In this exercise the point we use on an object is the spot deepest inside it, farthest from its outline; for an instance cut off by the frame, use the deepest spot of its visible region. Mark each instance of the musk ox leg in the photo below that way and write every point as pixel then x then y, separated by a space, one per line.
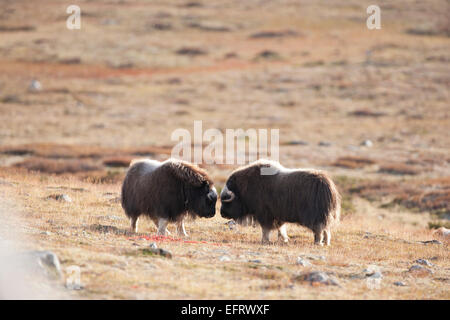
pixel 155 220
pixel 134 224
pixel 180 228
pixel 265 235
pixel 327 236
pixel 162 226
pixel 318 237
pixel 282 234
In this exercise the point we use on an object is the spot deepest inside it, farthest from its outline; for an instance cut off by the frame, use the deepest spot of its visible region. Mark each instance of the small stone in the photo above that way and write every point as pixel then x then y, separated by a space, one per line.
pixel 160 251
pixel 224 258
pixel 431 242
pixel 424 262
pixel 231 224
pixel 60 197
pixel 153 245
pixel 313 257
pixel 46 233
pixel 367 143
pixel 399 284
pixel 324 144
pixel 375 275
pixel 255 261
pixel 419 270
pixel 317 278
pixel 303 262
pixel 35 86
pixel 373 271
pixel 297 143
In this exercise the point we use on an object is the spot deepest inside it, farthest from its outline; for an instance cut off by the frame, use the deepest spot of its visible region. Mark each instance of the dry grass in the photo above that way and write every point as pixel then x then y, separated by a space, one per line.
pixel 57 166
pixel 399 168
pixel 353 162
pixel 92 232
pixel 430 195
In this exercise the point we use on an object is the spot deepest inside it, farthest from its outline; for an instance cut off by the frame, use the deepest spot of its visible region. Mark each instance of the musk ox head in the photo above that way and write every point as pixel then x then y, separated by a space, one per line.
pixel 199 194
pixel 203 201
pixel 232 206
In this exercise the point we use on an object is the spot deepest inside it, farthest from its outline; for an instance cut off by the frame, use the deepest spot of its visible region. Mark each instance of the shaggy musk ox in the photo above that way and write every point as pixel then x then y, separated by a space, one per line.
pixel 167 192
pixel 307 197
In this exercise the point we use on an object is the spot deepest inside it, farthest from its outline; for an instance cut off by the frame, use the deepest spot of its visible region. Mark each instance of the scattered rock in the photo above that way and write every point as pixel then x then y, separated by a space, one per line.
pixel 420 270
pixel 162 26
pixel 375 275
pixel 399 284
pixel 431 242
pixel 231 224
pixel 224 258
pixel 192 4
pixel 368 235
pixel 230 55
pixel 35 86
pixel 373 271
pixel 367 143
pixel 47 233
pixel 153 245
pixel 274 34
pixel 324 144
pixel 424 262
pixel 157 251
pixel 297 143
pixel 267 54
pixel 317 278
pixel 312 257
pixel 60 197
pixel 303 262
pixel 191 51
pixel 209 26
pixel 255 261
pixel 366 113
pixel 10 99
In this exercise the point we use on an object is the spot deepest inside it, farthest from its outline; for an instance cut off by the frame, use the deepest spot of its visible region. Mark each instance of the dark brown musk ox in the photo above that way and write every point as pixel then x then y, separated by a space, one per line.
pixel 167 192
pixel 303 196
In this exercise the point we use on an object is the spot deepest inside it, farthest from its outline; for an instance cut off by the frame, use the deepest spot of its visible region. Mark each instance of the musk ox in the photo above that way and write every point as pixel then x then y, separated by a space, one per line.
pixel 303 196
pixel 167 192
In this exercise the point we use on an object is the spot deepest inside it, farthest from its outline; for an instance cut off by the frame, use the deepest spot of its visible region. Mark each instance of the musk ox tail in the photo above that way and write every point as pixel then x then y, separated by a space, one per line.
pixel 327 199
pixel 332 198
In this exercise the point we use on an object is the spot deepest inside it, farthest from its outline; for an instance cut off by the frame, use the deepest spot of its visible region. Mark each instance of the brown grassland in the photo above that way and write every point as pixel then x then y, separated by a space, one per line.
pixel 137 70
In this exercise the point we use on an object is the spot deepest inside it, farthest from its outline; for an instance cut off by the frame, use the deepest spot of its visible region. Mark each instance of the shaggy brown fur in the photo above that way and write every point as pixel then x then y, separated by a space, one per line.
pixel 306 197
pixel 167 190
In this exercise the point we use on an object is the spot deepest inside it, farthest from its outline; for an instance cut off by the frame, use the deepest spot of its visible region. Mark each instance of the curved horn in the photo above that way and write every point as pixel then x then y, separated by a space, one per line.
pixel 212 194
pixel 229 195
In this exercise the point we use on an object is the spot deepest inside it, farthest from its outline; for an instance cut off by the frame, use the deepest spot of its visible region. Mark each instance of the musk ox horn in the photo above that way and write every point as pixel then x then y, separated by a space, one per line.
pixel 226 195
pixel 212 194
